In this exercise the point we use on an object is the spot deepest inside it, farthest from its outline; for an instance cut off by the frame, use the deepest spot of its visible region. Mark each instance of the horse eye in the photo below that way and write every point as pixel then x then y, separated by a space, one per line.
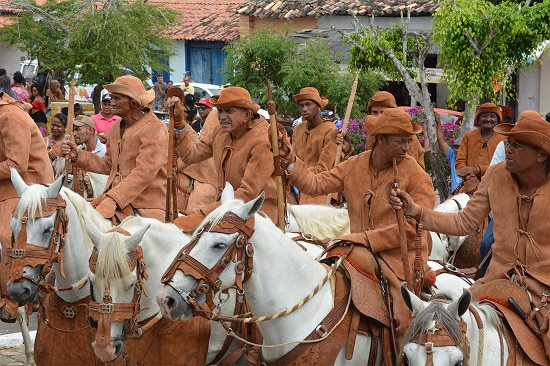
pixel 220 246
pixel 48 231
pixel 459 363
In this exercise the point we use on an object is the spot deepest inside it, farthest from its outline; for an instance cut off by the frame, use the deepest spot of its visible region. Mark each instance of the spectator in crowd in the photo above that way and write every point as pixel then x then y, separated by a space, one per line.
pixel 78 111
pixel 187 89
pixel 55 94
pixel 379 102
pixel 548 117
pixel 160 90
pixel 478 146
pixel 170 84
pixel 38 111
pixel 84 136
pixel 190 108
pixel 312 140
pixel 5 86
pixel 104 119
pixel 137 150
pixel 204 107
pixel 58 126
pixel 21 92
pixel 22 148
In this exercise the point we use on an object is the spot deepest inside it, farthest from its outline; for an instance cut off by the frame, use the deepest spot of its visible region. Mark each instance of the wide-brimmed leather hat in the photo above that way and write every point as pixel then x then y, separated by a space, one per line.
pixel 530 128
pixel 310 93
pixel 395 121
pixel 383 99
pixel 488 108
pixel 370 124
pixel 234 96
pixel 133 88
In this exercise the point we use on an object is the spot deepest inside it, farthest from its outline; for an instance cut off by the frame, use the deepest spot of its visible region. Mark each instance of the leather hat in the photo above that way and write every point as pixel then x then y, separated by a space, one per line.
pixel 488 108
pixel 370 124
pixel 530 128
pixel 382 98
pixel 310 93
pixel 395 121
pixel 234 96
pixel 133 88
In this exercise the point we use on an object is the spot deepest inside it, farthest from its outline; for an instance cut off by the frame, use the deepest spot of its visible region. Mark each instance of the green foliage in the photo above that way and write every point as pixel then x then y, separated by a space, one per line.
pixel 267 54
pixel 105 41
pixel 504 33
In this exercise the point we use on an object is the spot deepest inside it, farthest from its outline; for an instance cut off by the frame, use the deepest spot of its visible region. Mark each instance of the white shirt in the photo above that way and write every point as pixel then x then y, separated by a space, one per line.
pixel 500 153
pixel 100 148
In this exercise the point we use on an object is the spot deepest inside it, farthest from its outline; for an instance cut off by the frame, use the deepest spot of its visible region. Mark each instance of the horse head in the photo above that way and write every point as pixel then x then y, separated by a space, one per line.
pixel 217 257
pixel 437 334
pixel 37 234
pixel 116 277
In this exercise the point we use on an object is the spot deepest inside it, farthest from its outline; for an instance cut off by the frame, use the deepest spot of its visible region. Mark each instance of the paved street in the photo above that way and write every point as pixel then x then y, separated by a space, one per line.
pixel 11 344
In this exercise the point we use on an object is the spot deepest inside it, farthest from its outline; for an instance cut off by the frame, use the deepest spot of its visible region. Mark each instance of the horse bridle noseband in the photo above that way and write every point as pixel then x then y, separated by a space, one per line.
pixel 103 314
pixel 24 253
pixel 240 251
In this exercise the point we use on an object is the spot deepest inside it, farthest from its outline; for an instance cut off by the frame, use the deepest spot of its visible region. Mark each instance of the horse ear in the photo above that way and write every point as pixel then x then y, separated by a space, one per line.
pixel 93 232
pixel 459 307
pixel 133 240
pixel 53 190
pixel 414 304
pixel 228 193
pixel 17 181
pixel 250 208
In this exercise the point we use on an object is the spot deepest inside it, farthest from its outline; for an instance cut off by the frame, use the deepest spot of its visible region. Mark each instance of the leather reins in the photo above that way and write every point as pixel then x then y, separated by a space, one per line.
pixel 24 253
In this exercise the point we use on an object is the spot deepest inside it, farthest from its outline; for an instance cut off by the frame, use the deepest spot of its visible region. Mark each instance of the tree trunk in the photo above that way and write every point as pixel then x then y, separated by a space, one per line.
pixel 96 98
pixel 469 116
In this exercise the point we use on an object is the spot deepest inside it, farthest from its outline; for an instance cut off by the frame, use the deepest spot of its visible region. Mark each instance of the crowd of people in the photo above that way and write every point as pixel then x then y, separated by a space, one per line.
pixel 229 142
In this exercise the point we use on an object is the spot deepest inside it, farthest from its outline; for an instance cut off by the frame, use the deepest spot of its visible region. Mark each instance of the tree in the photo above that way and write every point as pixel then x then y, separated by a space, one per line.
pixel 98 40
pixel 401 54
pixel 289 66
pixel 480 41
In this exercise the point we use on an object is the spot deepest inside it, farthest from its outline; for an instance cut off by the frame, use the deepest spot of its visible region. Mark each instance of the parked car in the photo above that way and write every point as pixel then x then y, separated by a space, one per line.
pixel 203 90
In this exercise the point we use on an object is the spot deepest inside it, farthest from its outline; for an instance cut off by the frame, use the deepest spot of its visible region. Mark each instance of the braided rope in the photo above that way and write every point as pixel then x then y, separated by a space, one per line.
pixel 481 345
pixel 239 317
pixel 232 334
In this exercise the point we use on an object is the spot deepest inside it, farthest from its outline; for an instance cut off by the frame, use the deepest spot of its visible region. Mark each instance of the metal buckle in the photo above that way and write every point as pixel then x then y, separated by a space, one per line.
pixel 240 241
pixel 18 253
pixel 106 308
pixel 429 347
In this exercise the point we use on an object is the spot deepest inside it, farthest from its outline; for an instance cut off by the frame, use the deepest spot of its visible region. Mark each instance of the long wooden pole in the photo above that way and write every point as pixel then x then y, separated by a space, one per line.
pixel 170 210
pixel 70 137
pixel 275 147
pixel 402 233
pixel 345 123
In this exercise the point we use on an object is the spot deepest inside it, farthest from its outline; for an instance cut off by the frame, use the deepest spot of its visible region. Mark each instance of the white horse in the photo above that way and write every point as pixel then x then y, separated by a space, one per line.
pixel 324 222
pixel 282 276
pixel 39 229
pixel 431 319
pixel 160 243
pixel 444 245
pixel 97 181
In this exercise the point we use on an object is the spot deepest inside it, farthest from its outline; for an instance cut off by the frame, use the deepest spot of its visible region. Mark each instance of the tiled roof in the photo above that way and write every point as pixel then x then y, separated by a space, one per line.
pixel 288 9
pixel 205 20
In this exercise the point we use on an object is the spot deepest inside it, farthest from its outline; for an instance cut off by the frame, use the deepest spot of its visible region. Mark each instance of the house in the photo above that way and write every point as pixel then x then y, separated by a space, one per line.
pixel 203 29
pixel 317 17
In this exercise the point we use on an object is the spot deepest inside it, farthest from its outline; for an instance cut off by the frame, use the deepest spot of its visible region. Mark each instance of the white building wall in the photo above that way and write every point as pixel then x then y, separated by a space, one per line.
pixel 177 62
pixel 10 58
pixel 545 83
pixel 343 22
pixel 529 88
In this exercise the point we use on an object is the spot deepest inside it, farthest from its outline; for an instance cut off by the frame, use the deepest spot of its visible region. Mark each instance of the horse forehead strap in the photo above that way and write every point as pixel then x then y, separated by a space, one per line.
pixel 49 206
pixel 230 222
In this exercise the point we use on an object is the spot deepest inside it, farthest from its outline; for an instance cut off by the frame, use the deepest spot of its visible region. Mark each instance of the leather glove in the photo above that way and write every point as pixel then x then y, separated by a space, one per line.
pixel 189 223
pixel 475 170
pixel 107 208
pixel 96 201
pixel 469 184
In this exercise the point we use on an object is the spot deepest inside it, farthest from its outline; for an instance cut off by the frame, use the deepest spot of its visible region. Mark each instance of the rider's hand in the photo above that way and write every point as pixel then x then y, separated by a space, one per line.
pixel 400 199
pixel 475 170
pixel 64 148
pixel 338 137
pixel 179 113
pixel 107 207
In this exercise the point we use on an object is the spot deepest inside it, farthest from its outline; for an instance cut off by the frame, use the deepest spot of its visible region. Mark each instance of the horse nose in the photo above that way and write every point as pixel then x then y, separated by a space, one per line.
pixel 22 292
pixel 171 304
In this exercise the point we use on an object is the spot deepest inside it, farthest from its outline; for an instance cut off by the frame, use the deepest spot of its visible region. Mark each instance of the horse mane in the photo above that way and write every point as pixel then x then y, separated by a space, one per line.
pixel 30 202
pixel 324 222
pixel 112 265
pixel 426 320
pixel 215 216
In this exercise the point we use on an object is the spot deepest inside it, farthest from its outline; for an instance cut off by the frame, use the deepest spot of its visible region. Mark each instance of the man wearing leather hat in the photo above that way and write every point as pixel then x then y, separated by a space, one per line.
pixel 137 151
pixel 517 191
pixel 365 181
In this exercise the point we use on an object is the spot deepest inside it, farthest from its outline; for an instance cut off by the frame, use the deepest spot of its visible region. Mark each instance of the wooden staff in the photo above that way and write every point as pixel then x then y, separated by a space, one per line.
pixel 275 146
pixel 171 198
pixel 345 123
pixel 400 214
pixel 70 137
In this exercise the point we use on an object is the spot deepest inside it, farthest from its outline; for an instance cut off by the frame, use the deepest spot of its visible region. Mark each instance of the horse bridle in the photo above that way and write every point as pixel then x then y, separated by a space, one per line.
pixel 103 314
pixel 240 252
pixel 24 253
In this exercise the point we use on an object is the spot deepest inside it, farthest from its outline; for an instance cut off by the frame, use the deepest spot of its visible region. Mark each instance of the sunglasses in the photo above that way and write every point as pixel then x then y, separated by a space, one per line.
pixel 202 107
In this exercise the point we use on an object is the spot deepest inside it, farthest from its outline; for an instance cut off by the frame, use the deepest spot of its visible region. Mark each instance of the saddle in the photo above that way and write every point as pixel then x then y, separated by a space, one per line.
pixel 497 293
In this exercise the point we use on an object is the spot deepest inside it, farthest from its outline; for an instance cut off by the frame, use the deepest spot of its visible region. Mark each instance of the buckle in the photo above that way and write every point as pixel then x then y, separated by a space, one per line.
pixel 429 347
pixel 18 253
pixel 106 308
